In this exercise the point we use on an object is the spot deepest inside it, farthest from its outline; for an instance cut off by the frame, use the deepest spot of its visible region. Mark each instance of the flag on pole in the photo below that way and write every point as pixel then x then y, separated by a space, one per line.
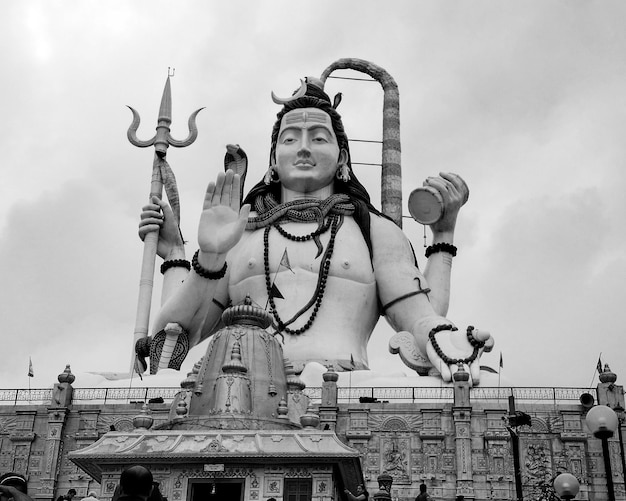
pixel 501 363
pixel 599 366
pixel 352 362
pixel 284 261
pixel 274 292
pixel 31 373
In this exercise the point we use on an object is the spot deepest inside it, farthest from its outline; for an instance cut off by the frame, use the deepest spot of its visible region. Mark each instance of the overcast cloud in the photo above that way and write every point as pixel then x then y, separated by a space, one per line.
pixel 525 100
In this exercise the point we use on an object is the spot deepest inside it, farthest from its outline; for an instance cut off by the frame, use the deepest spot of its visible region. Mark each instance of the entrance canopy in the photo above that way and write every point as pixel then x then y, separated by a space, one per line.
pixel 219 446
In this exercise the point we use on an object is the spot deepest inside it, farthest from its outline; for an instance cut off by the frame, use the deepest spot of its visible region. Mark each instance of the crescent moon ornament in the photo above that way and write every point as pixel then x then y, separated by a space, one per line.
pixel 301 92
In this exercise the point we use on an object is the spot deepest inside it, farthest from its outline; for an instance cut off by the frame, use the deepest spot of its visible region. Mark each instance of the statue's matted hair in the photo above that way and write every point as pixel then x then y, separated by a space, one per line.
pixel 317 98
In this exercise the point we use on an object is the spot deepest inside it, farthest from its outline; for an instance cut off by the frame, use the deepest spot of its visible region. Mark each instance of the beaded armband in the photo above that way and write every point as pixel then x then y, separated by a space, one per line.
pixel 440 247
pixel 175 263
pixel 385 307
pixel 203 272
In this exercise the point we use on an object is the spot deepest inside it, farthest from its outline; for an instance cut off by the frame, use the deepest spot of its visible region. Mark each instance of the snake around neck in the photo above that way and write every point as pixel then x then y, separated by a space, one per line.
pixel 328 214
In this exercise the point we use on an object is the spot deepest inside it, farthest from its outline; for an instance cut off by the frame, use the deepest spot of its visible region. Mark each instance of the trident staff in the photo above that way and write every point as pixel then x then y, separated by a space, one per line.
pixel 162 175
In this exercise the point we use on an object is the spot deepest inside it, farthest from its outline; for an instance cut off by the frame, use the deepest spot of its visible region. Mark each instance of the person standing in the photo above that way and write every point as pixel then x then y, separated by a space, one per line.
pixel 91 496
pixel 423 495
pixel 361 494
pixel 136 484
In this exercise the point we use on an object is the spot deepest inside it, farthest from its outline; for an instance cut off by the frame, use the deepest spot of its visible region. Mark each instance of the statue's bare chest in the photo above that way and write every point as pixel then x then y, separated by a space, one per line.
pixel 260 252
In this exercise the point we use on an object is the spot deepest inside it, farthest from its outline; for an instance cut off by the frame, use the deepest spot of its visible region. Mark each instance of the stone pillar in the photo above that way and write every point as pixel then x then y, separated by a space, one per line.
pixel 609 393
pixel 328 407
pixel 612 395
pixel 86 435
pixel 22 438
pixel 57 415
pixel 359 434
pixel 54 442
pixel 63 391
pixel 297 401
pixel 323 486
pixel 461 415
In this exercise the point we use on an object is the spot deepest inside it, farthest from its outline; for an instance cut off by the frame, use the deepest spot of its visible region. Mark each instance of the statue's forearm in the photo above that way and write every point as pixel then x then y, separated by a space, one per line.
pixel 174 276
pixel 438 272
pixel 189 303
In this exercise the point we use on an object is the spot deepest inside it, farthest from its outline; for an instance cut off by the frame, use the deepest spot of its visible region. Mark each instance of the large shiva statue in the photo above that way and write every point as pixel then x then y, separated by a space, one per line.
pixel 307 244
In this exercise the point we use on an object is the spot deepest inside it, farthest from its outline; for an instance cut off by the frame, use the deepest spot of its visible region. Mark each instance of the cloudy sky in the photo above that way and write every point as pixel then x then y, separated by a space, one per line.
pixel 525 100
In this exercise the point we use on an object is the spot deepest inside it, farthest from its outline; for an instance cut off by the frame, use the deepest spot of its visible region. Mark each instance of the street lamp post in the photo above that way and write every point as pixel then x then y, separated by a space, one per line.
pixel 602 422
pixel 566 486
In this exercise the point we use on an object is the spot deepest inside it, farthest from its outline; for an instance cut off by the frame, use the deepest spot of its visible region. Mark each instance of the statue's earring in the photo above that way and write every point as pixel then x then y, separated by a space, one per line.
pixel 343 173
pixel 271 176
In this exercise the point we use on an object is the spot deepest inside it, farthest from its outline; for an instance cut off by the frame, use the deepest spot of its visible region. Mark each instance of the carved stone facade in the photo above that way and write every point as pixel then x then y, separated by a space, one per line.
pixel 452 449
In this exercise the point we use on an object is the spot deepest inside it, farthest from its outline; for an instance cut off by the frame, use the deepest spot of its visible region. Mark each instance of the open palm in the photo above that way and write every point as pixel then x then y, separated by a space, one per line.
pixel 222 222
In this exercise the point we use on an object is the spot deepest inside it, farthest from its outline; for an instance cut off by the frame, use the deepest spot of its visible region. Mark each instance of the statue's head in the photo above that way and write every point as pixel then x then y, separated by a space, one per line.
pixel 307 156
pixel 310 95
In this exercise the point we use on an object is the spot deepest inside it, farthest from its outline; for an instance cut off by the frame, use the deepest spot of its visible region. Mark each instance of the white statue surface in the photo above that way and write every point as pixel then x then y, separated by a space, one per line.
pixel 308 245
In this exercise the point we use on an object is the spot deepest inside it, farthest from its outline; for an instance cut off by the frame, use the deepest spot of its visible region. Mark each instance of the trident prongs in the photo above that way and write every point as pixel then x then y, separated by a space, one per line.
pixel 163 139
pixel 162 176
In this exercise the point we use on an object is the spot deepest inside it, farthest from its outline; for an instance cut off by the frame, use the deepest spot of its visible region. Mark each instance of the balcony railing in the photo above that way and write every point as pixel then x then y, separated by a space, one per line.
pixel 345 395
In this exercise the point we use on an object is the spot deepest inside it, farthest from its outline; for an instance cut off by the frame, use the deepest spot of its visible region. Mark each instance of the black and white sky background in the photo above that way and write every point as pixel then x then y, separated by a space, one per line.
pixel 524 99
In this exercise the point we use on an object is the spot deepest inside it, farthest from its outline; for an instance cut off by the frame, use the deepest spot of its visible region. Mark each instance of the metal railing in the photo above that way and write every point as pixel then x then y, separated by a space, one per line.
pixel 345 395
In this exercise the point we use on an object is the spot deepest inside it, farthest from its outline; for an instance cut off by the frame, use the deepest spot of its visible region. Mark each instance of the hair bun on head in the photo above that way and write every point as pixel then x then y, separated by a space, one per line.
pixel 315 88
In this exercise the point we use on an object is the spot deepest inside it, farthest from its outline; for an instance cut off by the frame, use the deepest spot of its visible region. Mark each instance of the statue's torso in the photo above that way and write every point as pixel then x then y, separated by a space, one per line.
pixel 348 311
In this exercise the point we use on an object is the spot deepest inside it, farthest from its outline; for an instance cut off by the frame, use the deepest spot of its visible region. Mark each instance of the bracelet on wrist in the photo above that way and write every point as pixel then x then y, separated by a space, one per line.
pixel 440 247
pixel 203 272
pixel 175 263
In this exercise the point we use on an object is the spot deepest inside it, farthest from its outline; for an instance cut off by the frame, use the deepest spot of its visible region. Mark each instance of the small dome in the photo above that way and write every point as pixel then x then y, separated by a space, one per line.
pixel 310 419
pixel 66 376
pixel 330 374
pixel 144 420
pixel 461 374
pixel 607 375
pixel 247 314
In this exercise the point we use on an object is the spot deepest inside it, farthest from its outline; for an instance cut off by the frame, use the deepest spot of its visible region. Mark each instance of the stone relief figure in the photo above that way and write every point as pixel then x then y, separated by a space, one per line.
pixel 395 461
pixel 539 473
pixel 307 242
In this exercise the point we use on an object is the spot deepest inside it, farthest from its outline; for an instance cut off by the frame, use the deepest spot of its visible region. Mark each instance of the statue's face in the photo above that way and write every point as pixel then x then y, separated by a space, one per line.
pixel 306 151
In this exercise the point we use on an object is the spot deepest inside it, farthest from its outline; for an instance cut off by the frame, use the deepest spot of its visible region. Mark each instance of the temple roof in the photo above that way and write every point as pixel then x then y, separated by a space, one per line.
pixel 224 446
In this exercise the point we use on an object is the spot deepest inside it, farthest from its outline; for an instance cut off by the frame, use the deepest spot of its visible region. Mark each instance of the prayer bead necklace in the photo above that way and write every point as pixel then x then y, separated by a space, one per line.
pixel 334 222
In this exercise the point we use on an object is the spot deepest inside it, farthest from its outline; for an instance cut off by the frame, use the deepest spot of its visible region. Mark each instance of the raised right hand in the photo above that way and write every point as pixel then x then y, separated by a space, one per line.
pixel 222 222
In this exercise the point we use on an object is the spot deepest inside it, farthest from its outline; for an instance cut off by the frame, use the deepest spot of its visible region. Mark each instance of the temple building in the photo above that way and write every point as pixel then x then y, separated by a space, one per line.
pixel 254 439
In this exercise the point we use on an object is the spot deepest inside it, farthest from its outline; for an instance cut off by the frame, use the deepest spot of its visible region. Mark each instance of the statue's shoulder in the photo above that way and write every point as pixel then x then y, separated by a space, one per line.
pixel 389 241
pixel 381 227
